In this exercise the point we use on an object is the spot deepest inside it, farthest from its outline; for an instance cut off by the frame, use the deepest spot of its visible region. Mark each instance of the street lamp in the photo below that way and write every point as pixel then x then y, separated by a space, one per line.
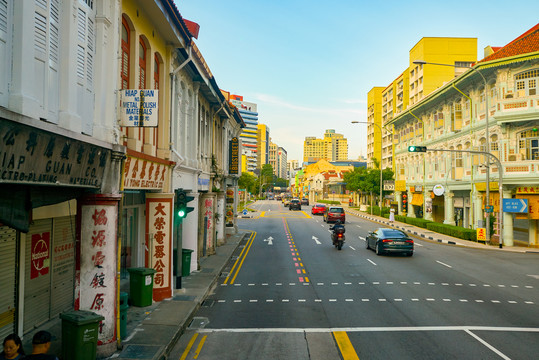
pixel 381 148
pixel 423 62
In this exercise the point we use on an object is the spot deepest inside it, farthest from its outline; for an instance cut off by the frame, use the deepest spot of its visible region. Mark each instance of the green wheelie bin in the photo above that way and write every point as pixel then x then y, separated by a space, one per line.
pixel 79 334
pixel 186 261
pixel 141 286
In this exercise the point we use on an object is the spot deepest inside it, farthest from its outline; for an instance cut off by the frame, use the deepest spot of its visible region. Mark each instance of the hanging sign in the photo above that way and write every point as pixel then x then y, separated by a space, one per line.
pixel 139 108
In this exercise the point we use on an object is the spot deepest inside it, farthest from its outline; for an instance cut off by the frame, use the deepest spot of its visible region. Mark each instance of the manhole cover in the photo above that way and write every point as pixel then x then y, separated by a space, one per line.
pixel 199 322
pixel 208 303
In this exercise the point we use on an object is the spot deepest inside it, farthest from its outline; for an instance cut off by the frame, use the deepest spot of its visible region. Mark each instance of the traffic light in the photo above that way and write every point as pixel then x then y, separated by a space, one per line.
pixel 414 148
pixel 182 199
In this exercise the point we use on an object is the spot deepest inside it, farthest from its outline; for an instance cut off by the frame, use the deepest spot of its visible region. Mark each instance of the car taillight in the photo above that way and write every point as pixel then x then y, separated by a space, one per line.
pixel 387 240
pixel 410 241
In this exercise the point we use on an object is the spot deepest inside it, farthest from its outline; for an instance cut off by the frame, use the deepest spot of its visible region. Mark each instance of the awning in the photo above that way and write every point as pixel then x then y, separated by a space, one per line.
pixel 417 199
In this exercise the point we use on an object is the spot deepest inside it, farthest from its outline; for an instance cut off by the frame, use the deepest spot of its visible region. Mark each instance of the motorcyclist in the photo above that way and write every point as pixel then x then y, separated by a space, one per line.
pixel 338 227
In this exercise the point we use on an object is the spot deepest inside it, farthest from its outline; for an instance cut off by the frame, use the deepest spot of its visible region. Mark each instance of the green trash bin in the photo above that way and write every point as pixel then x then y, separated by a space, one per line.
pixel 186 261
pixel 141 286
pixel 123 314
pixel 79 334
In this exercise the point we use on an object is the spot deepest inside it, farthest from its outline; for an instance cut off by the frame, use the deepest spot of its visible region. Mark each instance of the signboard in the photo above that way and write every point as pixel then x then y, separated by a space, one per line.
pixel 233 156
pixel 515 205
pixel 489 208
pixel 40 254
pixel 438 189
pixel 533 207
pixel 418 188
pixel 36 157
pixel 528 190
pixel 400 185
pixel 138 108
pixel 144 174
pixel 481 234
pixel 389 185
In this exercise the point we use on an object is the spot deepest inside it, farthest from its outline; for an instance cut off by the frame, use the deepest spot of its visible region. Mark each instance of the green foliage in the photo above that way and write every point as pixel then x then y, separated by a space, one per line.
pixel 329 202
pixel 366 180
pixel 451 230
pixel 280 182
pixel 376 211
pixel 419 222
pixel 248 182
pixel 400 218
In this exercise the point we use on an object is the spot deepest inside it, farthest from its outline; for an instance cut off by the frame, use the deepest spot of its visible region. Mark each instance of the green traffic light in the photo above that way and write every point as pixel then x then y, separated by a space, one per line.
pixel 411 148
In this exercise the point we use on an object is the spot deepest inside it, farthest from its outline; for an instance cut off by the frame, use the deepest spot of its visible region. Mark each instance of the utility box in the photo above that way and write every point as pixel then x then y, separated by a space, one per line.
pixel 79 334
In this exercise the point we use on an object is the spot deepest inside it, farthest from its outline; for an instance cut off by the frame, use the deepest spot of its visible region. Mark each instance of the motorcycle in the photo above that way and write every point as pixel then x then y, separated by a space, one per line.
pixel 338 237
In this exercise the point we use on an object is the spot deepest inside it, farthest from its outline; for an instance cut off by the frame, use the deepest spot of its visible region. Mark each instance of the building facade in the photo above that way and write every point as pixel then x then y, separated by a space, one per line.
pixel 492 108
pixel 333 147
pixel 249 135
pixel 262 146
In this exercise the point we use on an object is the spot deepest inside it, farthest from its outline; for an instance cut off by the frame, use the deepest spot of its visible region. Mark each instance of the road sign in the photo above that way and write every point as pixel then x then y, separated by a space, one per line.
pixel 389 185
pixel 515 205
pixel 489 208
pixel 481 234
pixel 244 211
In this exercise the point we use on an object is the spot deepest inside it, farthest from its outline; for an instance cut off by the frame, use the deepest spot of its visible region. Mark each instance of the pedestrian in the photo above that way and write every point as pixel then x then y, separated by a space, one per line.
pixel 12 348
pixel 41 343
pixel 392 215
pixel 350 202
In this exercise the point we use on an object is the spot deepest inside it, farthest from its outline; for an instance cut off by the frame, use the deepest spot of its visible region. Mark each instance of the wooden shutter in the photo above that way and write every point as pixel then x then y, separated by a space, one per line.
pixel 6 7
pixel 85 66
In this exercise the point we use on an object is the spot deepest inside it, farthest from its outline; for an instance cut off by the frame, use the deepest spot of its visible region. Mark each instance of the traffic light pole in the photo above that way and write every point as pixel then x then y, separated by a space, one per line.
pixel 500 185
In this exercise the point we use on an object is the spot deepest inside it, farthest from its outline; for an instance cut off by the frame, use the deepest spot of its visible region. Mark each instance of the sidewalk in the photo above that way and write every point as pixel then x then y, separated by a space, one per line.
pixel 437 237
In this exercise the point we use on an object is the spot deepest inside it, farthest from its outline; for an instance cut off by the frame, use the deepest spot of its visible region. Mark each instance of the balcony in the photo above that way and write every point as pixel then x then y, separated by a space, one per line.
pixel 516 109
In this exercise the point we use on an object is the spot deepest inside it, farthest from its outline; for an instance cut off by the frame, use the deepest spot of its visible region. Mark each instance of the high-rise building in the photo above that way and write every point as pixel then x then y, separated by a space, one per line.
pixel 412 86
pixel 333 147
pixel 248 137
pixel 282 170
pixel 262 145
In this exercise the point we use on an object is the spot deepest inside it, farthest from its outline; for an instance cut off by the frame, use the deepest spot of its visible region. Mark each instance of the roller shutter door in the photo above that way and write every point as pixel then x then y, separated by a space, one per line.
pixel 63 264
pixel 37 282
pixel 8 280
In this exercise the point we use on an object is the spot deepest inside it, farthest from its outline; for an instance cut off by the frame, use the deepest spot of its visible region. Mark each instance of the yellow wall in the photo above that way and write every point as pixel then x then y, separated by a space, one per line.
pixel 374 114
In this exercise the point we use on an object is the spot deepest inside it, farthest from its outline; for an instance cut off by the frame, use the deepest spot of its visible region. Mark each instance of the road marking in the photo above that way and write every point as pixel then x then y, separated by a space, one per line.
pixel 444 264
pixel 358 226
pixel 345 346
pixel 352 248
pixel 361 238
pixel 372 262
pixel 316 240
pixel 499 353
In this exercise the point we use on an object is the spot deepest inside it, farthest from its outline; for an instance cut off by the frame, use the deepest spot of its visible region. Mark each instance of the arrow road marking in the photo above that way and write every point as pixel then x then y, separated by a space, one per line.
pixel 269 240
pixel 316 240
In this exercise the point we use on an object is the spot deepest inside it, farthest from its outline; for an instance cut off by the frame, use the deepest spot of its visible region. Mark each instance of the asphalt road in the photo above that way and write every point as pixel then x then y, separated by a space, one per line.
pixel 289 294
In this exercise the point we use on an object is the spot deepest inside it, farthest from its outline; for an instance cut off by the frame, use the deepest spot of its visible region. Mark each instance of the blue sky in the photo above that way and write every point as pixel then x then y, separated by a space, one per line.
pixel 309 64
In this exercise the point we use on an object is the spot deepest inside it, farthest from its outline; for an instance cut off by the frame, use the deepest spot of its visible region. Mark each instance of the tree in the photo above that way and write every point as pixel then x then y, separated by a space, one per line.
pixel 248 182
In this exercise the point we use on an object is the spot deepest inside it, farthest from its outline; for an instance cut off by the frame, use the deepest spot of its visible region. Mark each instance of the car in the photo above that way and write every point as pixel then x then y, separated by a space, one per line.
pixel 295 204
pixel 334 213
pixel 319 209
pixel 388 240
pixel 286 201
pixel 304 201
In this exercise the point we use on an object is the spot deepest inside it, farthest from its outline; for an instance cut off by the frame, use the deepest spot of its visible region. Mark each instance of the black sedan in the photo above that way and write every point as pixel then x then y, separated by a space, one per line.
pixel 387 240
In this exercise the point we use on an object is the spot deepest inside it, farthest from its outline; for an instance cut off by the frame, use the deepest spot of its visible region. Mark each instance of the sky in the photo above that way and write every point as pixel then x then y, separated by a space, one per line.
pixel 309 64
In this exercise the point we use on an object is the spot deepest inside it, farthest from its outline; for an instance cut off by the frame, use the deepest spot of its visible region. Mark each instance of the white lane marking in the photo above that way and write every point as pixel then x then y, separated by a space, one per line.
pixel 348 299
pixel 360 226
pixel 352 248
pixel 441 263
pixel 369 329
pixel 447 300
pixel 397 299
pixel 417 244
pixel 269 300
pixel 372 262
pixel 285 300
pixel 319 283
pixel 361 238
pixel 253 300
pixel 499 353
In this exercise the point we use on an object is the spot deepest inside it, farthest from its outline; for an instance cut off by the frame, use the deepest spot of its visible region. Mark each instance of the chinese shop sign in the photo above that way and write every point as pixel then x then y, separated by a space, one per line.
pixel 32 156
pixel 98 265
pixel 233 156
pixel 159 230
pixel 143 174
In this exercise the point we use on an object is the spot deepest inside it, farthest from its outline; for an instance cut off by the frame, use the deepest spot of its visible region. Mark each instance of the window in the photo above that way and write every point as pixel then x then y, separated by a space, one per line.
pixel 125 55
pixel 529 145
pixel 142 65
pixel 156 72
pixel 527 81
pixel 458 157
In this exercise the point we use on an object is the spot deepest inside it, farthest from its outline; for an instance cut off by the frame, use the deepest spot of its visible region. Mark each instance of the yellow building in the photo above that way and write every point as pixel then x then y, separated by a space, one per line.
pixel 262 145
pixel 374 118
pixel 333 147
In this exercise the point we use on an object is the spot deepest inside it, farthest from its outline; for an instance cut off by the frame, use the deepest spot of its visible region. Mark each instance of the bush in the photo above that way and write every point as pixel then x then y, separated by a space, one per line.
pixel 376 211
pixel 400 218
pixel 417 222
pixel 451 230
pixel 329 202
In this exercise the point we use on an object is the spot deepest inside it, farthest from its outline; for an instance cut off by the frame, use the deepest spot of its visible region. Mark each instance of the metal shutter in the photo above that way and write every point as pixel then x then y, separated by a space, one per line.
pixel 63 264
pixel 8 280
pixel 37 291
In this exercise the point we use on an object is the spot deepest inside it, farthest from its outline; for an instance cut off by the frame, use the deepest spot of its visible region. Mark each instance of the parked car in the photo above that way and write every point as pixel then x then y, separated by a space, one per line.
pixel 334 213
pixel 295 204
pixel 387 240
pixel 319 209
pixel 304 201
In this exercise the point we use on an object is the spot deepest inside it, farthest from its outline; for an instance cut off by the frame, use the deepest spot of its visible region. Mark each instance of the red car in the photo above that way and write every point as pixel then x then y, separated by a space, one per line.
pixel 319 209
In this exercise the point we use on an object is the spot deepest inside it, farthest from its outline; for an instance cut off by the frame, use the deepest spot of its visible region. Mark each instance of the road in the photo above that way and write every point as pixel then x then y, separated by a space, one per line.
pixel 288 294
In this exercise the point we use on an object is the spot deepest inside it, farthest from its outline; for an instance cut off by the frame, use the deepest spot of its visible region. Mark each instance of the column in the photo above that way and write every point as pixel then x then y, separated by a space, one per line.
pixel 477 209
pixel 532 234
pixel 449 209
pixel 427 208
pixel 411 212
pixel 507 231
pixel 399 202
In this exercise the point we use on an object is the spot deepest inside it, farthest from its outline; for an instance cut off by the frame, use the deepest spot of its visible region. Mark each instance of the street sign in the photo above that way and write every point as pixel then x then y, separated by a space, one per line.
pixel 244 211
pixel 389 185
pixel 489 208
pixel 481 234
pixel 515 205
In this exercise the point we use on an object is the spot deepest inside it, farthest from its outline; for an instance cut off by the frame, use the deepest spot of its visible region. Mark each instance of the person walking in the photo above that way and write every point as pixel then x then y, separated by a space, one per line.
pixel 41 343
pixel 13 349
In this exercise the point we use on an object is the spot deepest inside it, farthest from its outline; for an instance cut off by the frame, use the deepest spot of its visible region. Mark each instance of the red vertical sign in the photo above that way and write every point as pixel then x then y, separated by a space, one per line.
pixel 40 254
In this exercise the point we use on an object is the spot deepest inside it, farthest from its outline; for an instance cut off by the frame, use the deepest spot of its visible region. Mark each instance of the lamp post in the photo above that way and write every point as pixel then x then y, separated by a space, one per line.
pixel 381 148
pixel 487 220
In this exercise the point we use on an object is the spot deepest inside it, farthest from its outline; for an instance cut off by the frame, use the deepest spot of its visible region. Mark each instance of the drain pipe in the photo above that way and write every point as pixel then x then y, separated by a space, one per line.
pixel 172 98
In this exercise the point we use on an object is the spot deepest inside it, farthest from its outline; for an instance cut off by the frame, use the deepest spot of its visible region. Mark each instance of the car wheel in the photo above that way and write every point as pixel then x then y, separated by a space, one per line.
pixel 410 253
pixel 367 244
pixel 379 249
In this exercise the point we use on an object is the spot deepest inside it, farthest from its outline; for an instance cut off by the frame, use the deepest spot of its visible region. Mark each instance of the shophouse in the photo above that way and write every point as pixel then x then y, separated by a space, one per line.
pixel 60 162
pixel 491 107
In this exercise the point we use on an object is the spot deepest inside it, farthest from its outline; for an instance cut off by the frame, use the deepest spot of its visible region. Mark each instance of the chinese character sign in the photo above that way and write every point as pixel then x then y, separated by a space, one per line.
pixel 159 230
pixel 98 265
pixel 40 255
pixel 139 107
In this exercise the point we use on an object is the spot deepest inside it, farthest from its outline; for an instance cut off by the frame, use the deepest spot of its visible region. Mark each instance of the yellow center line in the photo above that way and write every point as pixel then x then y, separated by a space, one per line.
pixel 199 347
pixel 238 262
pixel 345 346
pixel 188 348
